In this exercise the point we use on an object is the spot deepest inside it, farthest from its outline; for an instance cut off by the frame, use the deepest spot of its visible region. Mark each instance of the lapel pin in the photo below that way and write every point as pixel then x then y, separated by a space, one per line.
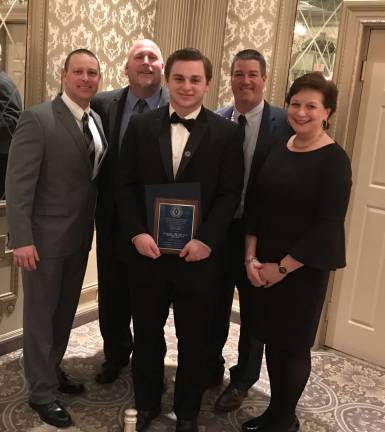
pixel 187 154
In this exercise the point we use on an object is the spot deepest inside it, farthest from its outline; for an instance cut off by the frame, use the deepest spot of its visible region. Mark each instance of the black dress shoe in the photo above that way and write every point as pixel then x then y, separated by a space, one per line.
pixel 282 425
pixel 183 425
pixel 144 418
pixel 53 413
pixel 230 400
pixel 68 385
pixel 256 424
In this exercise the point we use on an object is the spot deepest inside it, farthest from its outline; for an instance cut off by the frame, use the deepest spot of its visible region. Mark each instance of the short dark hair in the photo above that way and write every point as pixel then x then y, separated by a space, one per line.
pixel 316 81
pixel 80 51
pixel 189 54
pixel 250 54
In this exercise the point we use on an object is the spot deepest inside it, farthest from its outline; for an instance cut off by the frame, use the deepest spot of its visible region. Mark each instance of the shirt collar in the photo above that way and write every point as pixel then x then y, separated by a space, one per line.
pixel 192 115
pixel 75 109
pixel 152 101
pixel 250 114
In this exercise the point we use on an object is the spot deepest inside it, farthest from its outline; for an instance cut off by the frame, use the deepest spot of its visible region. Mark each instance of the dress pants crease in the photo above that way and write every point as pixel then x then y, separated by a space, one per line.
pixel 54 290
pixel 191 292
pixel 250 350
pixel 114 299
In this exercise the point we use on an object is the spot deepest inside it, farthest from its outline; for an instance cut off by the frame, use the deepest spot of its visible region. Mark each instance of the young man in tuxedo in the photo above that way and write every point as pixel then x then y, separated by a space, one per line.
pixel 55 157
pixel 182 142
pixel 264 126
pixel 144 93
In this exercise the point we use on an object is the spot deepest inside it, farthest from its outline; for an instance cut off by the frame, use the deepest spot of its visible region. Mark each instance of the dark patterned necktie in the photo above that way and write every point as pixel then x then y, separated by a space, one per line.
pixel 88 138
pixel 242 125
pixel 140 106
pixel 187 123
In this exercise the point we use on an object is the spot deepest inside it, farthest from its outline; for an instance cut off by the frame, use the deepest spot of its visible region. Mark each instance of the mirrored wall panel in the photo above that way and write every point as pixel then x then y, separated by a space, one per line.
pixel 315 37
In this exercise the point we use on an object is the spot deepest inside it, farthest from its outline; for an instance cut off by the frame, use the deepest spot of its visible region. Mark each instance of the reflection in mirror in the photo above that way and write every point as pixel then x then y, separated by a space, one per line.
pixel 315 38
pixel 13 29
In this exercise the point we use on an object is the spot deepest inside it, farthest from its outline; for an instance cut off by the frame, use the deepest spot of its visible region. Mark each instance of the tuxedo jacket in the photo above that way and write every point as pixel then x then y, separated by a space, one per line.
pixel 274 127
pixel 110 106
pixel 213 157
pixel 51 193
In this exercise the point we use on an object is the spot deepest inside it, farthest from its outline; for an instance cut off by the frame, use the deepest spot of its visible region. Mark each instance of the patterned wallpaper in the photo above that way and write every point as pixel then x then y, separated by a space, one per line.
pixel 250 24
pixel 107 27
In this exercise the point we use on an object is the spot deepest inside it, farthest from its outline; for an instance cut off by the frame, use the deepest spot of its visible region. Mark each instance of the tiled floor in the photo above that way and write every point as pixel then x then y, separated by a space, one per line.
pixel 343 394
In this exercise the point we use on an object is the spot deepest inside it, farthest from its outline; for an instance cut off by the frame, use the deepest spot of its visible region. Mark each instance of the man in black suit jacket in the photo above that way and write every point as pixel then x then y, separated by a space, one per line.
pixel 162 148
pixel 143 68
pixel 264 125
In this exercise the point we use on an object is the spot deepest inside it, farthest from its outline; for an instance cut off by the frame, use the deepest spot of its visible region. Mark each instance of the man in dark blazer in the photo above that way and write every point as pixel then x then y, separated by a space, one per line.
pixel 10 108
pixel 264 126
pixel 54 159
pixel 179 143
pixel 143 68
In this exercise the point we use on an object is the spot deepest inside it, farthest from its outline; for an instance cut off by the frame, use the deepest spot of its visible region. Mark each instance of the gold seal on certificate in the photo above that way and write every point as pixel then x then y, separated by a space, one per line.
pixel 175 223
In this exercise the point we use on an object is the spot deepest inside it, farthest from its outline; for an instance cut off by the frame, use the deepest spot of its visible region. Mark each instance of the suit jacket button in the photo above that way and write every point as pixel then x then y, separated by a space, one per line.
pixel 187 154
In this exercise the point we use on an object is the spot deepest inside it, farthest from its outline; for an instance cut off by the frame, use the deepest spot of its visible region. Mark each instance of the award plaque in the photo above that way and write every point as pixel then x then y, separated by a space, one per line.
pixel 175 223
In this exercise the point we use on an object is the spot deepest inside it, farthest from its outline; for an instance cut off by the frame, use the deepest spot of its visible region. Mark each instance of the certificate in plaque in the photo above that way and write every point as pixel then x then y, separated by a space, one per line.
pixel 175 223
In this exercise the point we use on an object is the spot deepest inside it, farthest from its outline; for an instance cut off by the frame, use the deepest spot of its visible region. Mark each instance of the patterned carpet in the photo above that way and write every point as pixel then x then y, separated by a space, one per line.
pixel 343 394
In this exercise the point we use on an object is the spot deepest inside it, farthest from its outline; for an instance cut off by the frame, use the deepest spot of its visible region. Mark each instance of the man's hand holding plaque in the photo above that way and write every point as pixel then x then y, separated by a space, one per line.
pixel 195 250
pixel 145 245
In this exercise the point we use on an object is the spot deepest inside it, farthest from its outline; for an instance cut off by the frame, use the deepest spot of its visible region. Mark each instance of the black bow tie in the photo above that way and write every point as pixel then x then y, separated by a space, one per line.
pixel 187 123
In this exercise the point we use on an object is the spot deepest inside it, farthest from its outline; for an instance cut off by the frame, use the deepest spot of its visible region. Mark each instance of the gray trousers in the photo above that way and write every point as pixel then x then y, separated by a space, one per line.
pixel 51 296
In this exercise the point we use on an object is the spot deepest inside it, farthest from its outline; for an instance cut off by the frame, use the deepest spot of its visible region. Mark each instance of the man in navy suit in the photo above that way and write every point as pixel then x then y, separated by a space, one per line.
pixel 263 125
pixel 177 144
pixel 144 93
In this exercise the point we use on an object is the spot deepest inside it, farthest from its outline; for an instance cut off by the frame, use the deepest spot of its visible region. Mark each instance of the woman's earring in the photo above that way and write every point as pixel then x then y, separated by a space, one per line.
pixel 325 124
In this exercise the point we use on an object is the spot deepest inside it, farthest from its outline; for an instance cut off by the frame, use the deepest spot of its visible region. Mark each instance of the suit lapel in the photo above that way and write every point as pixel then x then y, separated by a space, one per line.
pixel 193 141
pixel 99 127
pixel 69 122
pixel 115 116
pixel 161 130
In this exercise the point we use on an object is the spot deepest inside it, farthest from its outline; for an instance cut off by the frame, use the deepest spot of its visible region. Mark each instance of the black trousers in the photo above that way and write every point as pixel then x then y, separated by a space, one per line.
pixel 250 350
pixel 169 280
pixel 114 299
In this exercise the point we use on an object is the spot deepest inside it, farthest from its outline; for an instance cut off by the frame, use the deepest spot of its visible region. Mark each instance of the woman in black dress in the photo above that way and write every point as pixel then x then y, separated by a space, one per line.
pixel 295 237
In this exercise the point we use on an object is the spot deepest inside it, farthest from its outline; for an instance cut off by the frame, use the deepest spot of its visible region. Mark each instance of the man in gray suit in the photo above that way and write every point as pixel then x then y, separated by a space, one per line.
pixel 55 156
pixel 144 93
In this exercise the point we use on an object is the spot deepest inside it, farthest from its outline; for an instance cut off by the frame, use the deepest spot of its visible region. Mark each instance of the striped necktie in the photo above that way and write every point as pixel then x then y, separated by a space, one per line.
pixel 88 138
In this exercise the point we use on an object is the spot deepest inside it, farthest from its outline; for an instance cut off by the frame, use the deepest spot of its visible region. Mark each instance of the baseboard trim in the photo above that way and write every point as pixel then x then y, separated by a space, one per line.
pixel 16 342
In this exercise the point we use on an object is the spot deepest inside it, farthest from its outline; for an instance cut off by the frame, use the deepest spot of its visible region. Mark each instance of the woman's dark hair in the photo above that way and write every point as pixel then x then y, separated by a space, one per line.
pixel 316 81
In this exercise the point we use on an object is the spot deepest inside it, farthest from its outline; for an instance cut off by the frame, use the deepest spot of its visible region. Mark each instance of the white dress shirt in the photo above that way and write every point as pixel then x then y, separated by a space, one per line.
pixel 78 113
pixel 179 137
pixel 253 124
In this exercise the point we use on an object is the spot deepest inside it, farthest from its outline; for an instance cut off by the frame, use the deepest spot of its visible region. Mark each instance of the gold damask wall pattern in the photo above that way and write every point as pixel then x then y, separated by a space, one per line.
pixel 250 24
pixel 107 27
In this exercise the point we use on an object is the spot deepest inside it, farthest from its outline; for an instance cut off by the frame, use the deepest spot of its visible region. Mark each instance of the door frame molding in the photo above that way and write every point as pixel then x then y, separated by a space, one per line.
pixel 358 18
pixel 36 55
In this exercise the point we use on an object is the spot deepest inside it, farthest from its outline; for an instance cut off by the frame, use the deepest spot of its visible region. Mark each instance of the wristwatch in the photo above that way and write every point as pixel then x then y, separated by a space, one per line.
pixel 282 269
